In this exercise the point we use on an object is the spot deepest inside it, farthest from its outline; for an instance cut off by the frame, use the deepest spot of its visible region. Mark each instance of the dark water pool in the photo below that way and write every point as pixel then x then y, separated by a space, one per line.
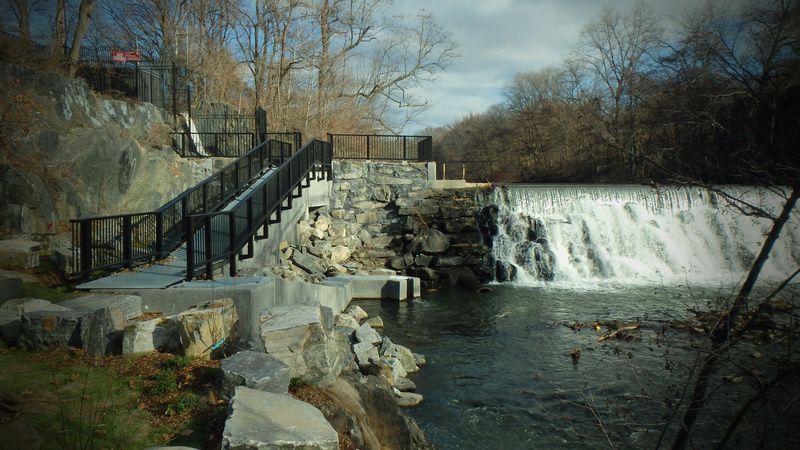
pixel 500 372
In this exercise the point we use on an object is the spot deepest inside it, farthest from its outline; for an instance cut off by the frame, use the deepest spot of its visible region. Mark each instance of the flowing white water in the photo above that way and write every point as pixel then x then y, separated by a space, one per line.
pixel 582 235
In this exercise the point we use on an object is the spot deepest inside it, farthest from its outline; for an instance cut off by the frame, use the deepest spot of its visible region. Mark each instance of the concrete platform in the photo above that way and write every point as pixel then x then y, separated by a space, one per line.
pixel 393 287
pixel 157 276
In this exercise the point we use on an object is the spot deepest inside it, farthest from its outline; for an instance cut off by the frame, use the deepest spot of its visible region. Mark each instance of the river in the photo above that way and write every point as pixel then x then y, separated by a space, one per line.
pixel 526 366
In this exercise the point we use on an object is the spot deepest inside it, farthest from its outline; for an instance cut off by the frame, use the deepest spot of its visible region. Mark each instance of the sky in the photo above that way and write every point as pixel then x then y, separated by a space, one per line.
pixel 499 38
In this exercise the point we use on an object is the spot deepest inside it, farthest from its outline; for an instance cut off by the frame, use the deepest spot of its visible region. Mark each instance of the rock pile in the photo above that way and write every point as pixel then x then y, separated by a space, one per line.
pixel 105 324
pixel 378 355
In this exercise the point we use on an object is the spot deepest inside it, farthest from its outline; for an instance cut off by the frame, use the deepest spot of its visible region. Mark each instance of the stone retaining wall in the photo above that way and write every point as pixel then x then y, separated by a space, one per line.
pixel 390 216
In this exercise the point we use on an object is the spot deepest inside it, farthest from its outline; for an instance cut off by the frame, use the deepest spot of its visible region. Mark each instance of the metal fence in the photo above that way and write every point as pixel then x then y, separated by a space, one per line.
pixel 468 170
pixel 111 242
pixel 215 238
pixel 385 147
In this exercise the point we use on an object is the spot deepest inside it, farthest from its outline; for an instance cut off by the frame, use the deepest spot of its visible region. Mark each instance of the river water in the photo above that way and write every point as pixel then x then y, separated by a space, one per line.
pixel 503 368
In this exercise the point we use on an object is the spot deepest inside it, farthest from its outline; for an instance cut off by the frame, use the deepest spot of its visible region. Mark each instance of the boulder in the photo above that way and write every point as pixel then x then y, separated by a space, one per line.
pixel 375 322
pixel 309 263
pixel 366 334
pixel 261 420
pixel 129 305
pixel 101 331
pixel 347 322
pixel 255 370
pixel 404 385
pixel 205 326
pixel 429 240
pixel 339 254
pixel 420 359
pixel 365 352
pixel 322 223
pixel 11 315
pixel 48 328
pixel 398 370
pixel 423 260
pixel 380 368
pixel 409 399
pixel 298 335
pixel 357 312
pixel 321 249
pixel 147 335
pixel 19 254
pixel 402 353
pixel 383 194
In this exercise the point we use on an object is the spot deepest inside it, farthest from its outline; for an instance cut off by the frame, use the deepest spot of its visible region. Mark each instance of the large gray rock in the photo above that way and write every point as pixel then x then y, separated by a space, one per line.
pixel 255 370
pixel 357 312
pixel 429 240
pixel 19 254
pixel 346 322
pixel 308 263
pixel 300 336
pixel 402 353
pixel 129 305
pixel 25 206
pixel 10 287
pixel 261 420
pixel 11 315
pixel 339 254
pixel 159 334
pixel 45 329
pixel 365 352
pixel 204 326
pixel 101 331
pixel 366 334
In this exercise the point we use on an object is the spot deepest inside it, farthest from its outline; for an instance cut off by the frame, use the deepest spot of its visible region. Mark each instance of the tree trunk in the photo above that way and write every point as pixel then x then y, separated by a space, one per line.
pixel 721 333
pixel 59 29
pixel 84 17
pixel 23 19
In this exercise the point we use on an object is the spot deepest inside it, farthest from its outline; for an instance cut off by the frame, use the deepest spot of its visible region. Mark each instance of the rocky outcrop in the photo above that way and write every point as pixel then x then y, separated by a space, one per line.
pixel 146 335
pixel 73 154
pixel 264 420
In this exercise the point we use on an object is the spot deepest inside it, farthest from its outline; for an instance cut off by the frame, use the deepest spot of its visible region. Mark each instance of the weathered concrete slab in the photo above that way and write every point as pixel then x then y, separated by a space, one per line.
pixel 10 287
pixel 261 420
pixel 130 305
pixel 157 276
pixel 256 370
pixel 19 254
pixel 394 287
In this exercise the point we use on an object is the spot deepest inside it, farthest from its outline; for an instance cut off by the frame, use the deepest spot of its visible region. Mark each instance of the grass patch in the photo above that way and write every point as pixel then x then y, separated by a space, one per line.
pixel 54 294
pixel 70 400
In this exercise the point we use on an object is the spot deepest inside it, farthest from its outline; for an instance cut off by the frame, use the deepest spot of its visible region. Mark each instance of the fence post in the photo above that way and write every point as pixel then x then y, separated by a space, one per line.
pixel 232 243
pixel 126 241
pixel 174 92
pixel 330 139
pixel 86 247
pixel 159 234
pixel 209 250
pixel 261 124
pixel 187 230
pixel 367 147
pixel 405 157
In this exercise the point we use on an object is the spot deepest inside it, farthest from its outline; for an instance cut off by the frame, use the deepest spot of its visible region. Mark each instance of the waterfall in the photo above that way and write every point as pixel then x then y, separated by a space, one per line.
pixel 636 234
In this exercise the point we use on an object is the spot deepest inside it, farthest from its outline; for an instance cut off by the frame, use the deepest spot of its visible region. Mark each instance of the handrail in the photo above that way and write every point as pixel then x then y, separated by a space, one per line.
pixel 123 240
pixel 381 146
pixel 218 236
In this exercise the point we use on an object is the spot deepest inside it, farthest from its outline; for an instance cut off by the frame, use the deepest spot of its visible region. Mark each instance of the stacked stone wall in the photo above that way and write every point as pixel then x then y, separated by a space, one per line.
pixel 392 217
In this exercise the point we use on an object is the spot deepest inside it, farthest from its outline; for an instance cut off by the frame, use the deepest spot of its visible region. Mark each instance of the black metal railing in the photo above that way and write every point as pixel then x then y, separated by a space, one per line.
pixel 385 147
pixel 110 242
pixel 293 137
pixel 217 237
pixel 225 144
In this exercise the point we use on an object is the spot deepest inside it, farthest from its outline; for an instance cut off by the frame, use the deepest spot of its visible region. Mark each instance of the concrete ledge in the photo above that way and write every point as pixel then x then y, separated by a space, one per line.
pixel 393 287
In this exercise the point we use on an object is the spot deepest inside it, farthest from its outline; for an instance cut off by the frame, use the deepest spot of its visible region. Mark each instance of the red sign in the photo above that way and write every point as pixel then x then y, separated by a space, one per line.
pixel 128 56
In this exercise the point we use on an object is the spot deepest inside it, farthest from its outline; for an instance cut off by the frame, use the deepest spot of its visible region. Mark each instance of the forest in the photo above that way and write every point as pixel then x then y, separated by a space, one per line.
pixel 708 95
pixel 315 66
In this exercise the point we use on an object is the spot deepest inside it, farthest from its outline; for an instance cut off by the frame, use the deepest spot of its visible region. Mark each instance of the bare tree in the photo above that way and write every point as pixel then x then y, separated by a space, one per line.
pixel 85 12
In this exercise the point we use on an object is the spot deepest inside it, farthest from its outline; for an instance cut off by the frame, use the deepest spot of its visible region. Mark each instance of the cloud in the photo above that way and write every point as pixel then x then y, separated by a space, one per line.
pixel 500 38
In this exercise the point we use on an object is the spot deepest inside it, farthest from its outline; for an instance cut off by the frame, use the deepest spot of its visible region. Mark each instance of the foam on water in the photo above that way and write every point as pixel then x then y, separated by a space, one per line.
pixel 576 236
